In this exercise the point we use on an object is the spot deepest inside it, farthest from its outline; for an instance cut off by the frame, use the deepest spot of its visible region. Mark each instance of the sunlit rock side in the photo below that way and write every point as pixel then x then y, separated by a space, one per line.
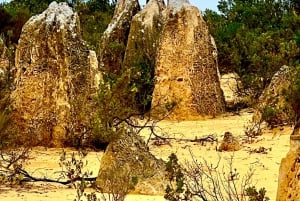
pixel 186 67
pixel 114 40
pixel 51 100
pixel 272 104
pixel 141 49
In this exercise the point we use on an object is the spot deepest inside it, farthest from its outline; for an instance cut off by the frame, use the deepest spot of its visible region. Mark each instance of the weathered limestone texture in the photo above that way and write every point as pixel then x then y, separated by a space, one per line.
pixel 3 49
pixel 231 84
pixel 141 49
pixel 273 101
pixel 289 173
pixel 127 158
pixel 229 143
pixel 114 40
pixel 144 33
pixel 3 60
pixel 186 67
pixel 51 100
pixel 4 77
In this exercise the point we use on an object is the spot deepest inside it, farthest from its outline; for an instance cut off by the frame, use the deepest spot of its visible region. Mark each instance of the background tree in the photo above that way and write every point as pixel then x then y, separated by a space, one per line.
pixel 255 38
pixel 94 17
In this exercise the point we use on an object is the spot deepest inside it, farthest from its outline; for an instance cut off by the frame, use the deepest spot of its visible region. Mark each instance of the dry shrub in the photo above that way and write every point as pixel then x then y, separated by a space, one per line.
pixel 204 181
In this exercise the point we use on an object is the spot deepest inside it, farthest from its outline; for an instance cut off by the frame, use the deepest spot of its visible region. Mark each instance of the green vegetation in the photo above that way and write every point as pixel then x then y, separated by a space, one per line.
pixel 94 17
pixel 255 38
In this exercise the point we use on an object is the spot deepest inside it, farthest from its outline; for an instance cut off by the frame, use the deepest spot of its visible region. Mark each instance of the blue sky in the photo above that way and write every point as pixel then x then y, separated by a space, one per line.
pixel 204 4
pixel 201 4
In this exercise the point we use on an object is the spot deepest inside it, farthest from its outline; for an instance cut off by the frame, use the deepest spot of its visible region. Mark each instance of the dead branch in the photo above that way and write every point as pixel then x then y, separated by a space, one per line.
pixel 30 178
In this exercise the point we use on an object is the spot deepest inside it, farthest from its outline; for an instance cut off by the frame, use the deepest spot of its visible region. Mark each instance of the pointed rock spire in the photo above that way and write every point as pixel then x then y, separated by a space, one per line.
pixel 186 71
pixel 114 40
pixel 53 79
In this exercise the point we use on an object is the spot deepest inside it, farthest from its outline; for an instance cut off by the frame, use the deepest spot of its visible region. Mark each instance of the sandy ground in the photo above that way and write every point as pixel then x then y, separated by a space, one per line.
pixel 45 162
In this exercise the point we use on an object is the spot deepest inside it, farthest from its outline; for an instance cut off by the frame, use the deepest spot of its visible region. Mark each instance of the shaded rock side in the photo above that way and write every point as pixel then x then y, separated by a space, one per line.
pixel 141 49
pixel 289 173
pixel 127 159
pixel 272 105
pixel 114 40
pixel 51 100
pixel 186 68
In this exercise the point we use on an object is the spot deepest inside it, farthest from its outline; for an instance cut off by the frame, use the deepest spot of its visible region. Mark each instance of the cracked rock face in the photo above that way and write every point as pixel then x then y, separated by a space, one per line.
pixel 274 100
pixel 114 40
pixel 141 49
pixel 187 77
pixel 3 60
pixel 128 157
pixel 53 78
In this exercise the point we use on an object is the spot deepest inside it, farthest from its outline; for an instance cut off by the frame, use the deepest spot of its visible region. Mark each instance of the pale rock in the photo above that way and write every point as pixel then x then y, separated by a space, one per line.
pixel 231 85
pixel 3 59
pixel 186 73
pixel 51 100
pixel 98 77
pixel 273 98
pixel 141 49
pixel 289 173
pixel 128 157
pixel 114 39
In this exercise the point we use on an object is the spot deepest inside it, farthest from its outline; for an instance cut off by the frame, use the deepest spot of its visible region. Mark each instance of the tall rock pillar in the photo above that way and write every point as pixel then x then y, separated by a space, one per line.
pixel 187 78
pixel 51 100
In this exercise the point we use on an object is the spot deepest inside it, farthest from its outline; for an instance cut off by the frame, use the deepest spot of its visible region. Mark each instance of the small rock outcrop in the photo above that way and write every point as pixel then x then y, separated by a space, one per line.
pixel 127 159
pixel 229 143
pixel 187 77
pixel 53 79
pixel 114 40
pixel 272 104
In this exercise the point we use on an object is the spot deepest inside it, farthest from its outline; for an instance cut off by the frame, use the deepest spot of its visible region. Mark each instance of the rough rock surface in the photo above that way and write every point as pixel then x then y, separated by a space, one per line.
pixel 4 82
pixel 114 40
pixel 53 79
pixel 144 33
pixel 230 85
pixel 3 49
pixel 141 49
pixel 274 101
pixel 229 143
pixel 3 59
pixel 126 159
pixel 186 68
pixel 289 173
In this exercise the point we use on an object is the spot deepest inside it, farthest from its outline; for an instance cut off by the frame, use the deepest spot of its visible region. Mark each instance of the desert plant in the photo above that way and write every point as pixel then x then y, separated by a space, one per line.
pixel 255 195
pixel 11 162
pixel 204 181
pixel 253 130
pixel 73 170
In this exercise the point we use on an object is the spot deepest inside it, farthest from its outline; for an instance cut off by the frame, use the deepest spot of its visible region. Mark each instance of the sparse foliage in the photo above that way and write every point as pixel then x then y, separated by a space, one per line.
pixel 204 181
pixel 255 47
